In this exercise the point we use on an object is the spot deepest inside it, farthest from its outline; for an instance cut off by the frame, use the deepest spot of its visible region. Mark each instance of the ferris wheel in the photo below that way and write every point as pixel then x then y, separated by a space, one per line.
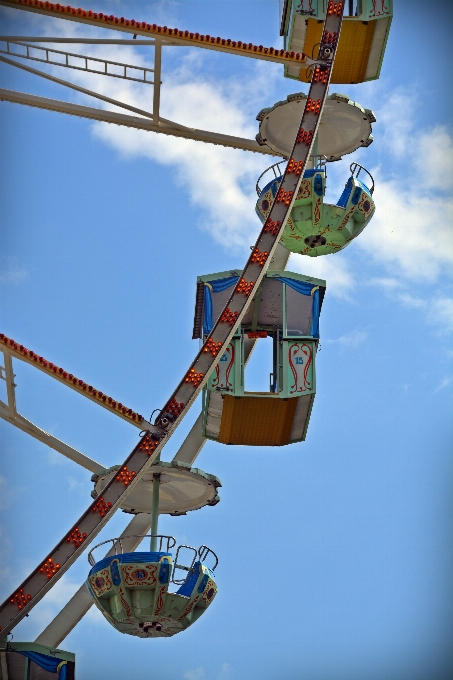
pixel 163 588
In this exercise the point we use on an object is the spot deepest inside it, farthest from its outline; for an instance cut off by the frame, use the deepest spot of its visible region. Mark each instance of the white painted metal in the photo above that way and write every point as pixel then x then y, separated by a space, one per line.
pixel 80 603
pixel 46 438
pixel 84 90
pixel 344 127
pixel 141 425
pixel 193 443
pixel 181 490
pixel 133 121
pixel 10 385
pixel 186 41
pixel 85 41
pixel 46 51
pixel 157 82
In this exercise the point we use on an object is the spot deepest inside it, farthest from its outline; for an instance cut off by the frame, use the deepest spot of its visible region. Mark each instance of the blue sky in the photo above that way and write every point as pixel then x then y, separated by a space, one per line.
pixel 335 554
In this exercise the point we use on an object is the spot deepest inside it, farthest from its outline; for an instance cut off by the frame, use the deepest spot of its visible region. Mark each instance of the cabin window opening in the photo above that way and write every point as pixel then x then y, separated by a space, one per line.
pixel 259 372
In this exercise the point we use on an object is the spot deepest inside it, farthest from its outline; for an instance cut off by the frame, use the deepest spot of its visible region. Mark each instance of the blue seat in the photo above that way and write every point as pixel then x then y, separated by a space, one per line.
pixel 344 198
pixel 188 586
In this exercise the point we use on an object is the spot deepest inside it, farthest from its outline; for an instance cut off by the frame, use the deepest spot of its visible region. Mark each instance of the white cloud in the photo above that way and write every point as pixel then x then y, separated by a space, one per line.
pixel 434 158
pixel 7 493
pixel 388 284
pixel 13 272
pixel 351 339
pixel 411 301
pixel 75 485
pixel 410 233
pixel 334 269
pixel 200 673
pixel 218 180
pixel 224 672
pixel 396 116
pixel 440 313
pixel 443 383
pixel 195 674
pixel 438 310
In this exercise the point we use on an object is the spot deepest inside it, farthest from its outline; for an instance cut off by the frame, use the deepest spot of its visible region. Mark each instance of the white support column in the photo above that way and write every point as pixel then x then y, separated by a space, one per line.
pixel 9 379
pixel 157 74
pixel 80 603
pixel 169 128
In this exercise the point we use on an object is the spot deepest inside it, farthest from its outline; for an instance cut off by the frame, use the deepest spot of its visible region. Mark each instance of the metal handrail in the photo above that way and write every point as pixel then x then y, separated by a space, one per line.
pixel 271 167
pixel 118 541
pixel 319 163
pixel 203 552
pixel 179 581
pixel 353 168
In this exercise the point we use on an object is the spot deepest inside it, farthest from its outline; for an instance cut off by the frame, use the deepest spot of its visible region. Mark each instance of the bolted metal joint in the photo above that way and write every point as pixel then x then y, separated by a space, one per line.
pixel 326 52
pixel 164 420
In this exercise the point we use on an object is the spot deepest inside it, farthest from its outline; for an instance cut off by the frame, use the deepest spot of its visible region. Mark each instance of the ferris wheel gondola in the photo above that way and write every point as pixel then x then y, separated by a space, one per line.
pixel 131 589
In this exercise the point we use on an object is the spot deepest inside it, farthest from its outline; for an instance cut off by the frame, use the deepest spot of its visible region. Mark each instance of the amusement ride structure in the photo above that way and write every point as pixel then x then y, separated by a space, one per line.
pixel 325 43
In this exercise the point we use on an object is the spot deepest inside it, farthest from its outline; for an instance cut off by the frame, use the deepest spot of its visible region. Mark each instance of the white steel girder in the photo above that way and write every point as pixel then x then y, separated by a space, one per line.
pixel 134 122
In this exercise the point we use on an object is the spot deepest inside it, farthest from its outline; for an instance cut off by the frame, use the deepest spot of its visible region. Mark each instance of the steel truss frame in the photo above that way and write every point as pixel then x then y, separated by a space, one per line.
pixel 161 36
pixel 66 64
pixel 150 446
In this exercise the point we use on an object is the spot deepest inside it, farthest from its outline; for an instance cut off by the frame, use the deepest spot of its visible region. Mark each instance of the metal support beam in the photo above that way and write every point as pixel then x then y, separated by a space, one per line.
pixel 91 93
pixel 157 83
pixel 84 41
pixel 57 373
pixel 10 385
pixel 155 512
pixel 185 38
pixel 46 59
pixel 80 603
pixel 46 438
pixel 133 121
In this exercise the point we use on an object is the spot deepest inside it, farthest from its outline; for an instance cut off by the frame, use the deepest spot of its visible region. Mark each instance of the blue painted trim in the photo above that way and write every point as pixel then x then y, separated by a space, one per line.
pixel 115 572
pixel 364 187
pixel 217 286
pixel 318 185
pixel 164 571
pixel 129 558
